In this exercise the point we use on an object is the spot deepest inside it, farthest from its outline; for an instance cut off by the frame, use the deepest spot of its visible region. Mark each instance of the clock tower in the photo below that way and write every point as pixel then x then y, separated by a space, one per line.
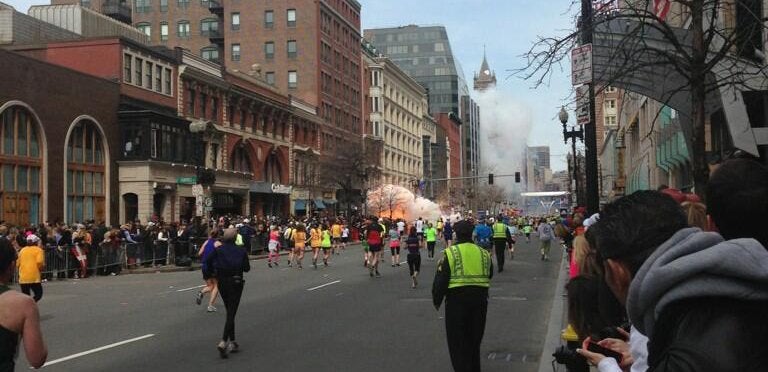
pixel 485 79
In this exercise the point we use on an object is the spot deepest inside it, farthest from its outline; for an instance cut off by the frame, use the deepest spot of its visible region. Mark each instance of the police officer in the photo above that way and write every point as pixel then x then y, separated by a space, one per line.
pixel 501 238
pixel 463 277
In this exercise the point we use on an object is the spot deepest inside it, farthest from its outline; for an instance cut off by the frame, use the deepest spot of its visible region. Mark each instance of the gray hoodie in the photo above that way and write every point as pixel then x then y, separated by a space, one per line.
pixel 694 264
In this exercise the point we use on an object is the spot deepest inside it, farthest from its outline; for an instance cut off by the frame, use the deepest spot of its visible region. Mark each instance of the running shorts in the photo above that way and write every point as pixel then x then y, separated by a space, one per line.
pixel 374 247
pixel 394 250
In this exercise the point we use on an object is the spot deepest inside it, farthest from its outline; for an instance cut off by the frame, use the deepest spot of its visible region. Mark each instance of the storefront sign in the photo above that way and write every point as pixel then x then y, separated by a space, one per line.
pixel 186 180
pixel 164 186
pixel 281 189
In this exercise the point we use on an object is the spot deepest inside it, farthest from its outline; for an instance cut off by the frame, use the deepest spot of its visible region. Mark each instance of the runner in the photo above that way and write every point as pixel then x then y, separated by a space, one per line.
pixel 401 227
pixel 326 245
pixel 209 276
pixel 299 239
pixel 414 255
pixel 30 263
pixel 364 242
pixel 230 262
pixel 431 234
pixel 527 231
pixel 273 246
pixel 344 237
pixel 512 240
pixel 336 229
pixel 420 229
pixel 545 239
pixel 288 237
pixel 448 233
pixel 394 246
pixel 315 240
pixel 375 240
pixel 19 317
pixel 439 226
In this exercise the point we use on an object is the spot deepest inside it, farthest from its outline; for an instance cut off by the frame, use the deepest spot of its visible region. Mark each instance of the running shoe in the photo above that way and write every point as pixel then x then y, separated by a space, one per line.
pixel 393 265
pixel 233 347
pixel 398 264
pixel 413 281
pixel 211 309
pixel 222 350
pixel 269 264
pixel 199 297
pixel 370 271
pixel 377 274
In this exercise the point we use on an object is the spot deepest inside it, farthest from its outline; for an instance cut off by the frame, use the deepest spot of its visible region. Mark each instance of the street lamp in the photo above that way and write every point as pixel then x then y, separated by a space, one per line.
pixel 572 134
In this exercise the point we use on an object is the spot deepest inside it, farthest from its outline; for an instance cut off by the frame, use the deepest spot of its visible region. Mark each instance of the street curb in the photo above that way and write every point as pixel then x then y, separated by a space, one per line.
pixel 557 319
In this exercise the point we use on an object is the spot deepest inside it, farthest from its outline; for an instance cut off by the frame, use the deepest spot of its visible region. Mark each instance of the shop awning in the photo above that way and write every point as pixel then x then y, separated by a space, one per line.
pixel 301 205
pixel 330 201
pixel 319 204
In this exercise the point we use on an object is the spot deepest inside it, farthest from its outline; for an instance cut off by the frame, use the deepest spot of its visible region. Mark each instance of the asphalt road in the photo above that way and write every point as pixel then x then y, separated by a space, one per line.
pixel 330 319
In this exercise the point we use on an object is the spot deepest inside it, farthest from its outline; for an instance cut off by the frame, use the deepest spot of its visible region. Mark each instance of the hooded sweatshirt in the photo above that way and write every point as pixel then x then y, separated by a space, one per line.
pixel 695 264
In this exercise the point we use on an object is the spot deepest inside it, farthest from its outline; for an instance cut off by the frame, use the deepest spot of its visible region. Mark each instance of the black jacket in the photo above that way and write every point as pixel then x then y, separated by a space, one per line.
pixel 710 334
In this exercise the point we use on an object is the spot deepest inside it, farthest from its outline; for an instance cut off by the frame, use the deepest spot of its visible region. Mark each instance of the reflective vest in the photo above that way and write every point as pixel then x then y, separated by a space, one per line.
pixel 470 266
pixel 499 231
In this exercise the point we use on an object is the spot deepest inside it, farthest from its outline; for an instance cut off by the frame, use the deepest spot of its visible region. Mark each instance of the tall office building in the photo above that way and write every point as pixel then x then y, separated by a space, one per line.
pixel 307 49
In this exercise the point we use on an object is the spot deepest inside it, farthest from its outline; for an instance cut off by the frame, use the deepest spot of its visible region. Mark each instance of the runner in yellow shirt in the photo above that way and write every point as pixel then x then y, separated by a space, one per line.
pixel 315 240
pixel 336 235
pixel 30 263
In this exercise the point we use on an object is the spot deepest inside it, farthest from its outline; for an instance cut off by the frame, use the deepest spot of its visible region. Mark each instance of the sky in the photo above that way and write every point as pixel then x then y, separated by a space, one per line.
pixel 507 28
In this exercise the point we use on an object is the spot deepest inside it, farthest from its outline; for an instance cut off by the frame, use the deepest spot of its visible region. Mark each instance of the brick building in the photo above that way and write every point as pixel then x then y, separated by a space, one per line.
pixel 60 143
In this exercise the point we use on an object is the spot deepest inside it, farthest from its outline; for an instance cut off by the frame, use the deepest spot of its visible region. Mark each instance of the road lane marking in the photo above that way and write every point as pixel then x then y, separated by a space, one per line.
pixel 96 350
pixel 324 285
pixel 191 288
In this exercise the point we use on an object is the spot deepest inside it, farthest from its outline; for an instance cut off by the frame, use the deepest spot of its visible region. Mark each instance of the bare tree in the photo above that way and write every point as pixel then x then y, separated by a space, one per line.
pixel 705 52
pixel 386 199
pixel 346 168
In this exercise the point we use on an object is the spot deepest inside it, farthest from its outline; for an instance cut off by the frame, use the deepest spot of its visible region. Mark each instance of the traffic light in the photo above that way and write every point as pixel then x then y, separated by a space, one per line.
pixel 490 178
pixel 517 177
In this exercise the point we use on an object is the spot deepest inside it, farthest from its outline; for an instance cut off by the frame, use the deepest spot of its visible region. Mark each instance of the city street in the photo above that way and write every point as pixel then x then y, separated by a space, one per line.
pixel 330 319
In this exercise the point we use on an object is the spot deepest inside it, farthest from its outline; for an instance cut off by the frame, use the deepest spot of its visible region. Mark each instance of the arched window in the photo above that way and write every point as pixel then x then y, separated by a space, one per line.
pixel 272 173
pixel 21 163
pixel 86 179
pixel 240 161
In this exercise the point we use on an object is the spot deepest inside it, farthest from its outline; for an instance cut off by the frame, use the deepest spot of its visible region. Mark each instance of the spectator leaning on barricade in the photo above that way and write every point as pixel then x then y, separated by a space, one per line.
pixel 700 300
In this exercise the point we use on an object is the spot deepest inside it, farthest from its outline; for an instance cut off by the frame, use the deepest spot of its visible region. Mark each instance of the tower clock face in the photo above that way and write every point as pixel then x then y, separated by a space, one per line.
pixel 487 72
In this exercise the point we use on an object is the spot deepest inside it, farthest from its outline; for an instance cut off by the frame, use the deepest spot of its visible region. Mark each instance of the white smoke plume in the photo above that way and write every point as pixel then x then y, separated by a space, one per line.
pixel 396 202
pixel 505 125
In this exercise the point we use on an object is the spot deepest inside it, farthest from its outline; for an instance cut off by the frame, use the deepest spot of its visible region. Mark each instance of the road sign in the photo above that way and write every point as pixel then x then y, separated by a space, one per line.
pixel 581 65
pixel 583 116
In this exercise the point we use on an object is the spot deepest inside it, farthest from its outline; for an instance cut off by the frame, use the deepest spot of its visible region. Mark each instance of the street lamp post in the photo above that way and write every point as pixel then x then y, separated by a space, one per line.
pixel 572 134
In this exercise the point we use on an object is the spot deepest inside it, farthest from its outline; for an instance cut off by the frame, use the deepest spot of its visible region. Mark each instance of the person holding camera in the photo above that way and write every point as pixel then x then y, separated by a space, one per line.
pixel 463 278
pixel 229 263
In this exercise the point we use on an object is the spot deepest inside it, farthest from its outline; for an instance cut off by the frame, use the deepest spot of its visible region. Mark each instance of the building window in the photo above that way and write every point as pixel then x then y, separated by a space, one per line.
pixel 269 50
pixel 269 19
pixel 148 81
pixel 158 78
pixel 183 29
pixel 85 173
pixel 139 71
pixel 145 28
pixel 610 120
pixel 127 63
pixel 163 31
pixel 163 5
pixel 439 47
pixel 209 27
pixel 168 81
pixel 291 48
pixel 610 103
pixel 235 52
pixel 235 21
pixel 142 6
pixel 85 3
pixel 21 164
pixel 610 89
pixel 293 79
pixel 270 77
pixel 291 17
pixel 182 3
pixel 191 96
pixel 214 109
pixel 210 53
pixel 241 162
pixel 442 71
pixel 203 105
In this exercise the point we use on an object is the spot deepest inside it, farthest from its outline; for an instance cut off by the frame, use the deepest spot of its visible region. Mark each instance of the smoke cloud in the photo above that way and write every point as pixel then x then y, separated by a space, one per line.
pixel 505 125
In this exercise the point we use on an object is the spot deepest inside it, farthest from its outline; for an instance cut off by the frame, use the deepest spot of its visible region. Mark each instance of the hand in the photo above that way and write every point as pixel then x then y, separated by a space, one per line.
pixel 621 347
pixel 592 358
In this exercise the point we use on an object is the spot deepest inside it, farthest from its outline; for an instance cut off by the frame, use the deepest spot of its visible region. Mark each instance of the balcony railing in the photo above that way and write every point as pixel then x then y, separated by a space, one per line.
pixel 117 9
pixel 216 36
pixel 215 7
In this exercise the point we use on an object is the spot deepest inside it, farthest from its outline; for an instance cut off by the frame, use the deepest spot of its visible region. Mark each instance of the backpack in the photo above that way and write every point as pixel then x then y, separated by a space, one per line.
pixel 374 237
pixel 546 233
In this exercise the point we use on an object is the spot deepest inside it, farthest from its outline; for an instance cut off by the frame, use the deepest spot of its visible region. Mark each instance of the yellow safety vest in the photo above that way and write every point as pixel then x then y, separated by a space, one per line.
pixel 470 266
pixel 499 231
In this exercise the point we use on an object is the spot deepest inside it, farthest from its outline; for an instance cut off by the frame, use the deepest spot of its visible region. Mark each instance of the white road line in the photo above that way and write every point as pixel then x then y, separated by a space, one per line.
pixel 96 350
pixel 189 289
pixel 324 285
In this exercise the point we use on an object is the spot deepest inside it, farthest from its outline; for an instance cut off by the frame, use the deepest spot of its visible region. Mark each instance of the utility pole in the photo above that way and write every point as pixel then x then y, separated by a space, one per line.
pixel 590 132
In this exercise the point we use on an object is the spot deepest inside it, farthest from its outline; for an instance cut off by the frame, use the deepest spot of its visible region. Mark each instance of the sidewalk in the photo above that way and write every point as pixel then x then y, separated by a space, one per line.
pixel 558 319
